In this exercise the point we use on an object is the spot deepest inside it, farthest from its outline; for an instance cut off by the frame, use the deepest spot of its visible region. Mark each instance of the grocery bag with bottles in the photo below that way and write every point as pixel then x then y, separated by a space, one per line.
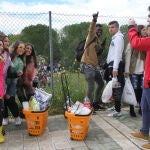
pixel 40 101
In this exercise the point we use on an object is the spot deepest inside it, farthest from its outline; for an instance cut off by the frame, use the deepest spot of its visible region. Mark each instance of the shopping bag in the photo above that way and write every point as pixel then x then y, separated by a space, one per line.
pixel 43 94
pixel 128 95
pixel 107 93
pixel 79 109
pixel 42 98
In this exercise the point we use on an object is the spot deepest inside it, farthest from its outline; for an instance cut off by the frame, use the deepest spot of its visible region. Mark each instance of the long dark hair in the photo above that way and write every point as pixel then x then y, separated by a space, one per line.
pixel 2 38
pixel 14 48
pixel 32 57
pixel 139 28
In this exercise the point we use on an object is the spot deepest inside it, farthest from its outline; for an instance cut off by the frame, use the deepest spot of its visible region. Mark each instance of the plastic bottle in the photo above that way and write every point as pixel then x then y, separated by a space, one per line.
pixel 33 104
pixel 115 83
pixel 116 87
pixel 87 102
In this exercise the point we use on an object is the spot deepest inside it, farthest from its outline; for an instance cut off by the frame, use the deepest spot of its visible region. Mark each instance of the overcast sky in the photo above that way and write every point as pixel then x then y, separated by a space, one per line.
pixel 135 8
pixel 110 8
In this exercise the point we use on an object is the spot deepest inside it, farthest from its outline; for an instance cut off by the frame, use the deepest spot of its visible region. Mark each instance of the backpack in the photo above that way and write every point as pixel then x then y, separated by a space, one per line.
pixel 80 49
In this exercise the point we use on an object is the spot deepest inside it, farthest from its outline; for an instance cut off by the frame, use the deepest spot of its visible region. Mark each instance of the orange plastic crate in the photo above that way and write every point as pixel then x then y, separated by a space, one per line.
pixel 36 121
pixel 78 125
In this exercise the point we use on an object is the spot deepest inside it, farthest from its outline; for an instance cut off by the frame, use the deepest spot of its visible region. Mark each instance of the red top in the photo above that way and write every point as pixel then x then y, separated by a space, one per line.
pixel 141 44
pixel 1 79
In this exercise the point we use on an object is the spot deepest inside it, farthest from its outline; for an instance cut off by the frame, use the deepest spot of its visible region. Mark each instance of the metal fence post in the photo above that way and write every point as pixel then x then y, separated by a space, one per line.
pixel 51 51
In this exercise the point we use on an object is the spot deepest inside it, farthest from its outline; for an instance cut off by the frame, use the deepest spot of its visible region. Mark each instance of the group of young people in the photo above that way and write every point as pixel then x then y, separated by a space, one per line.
pixel 115 67
pixel 136 66
pixel 18 71
pixel 18 67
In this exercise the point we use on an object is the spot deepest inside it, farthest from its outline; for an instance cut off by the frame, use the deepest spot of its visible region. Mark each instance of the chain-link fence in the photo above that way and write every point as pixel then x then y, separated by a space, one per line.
pixel 14 23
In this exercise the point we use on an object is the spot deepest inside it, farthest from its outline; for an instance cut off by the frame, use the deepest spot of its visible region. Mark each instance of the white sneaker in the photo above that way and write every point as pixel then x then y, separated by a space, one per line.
pixel 115 114
pixel 17 121
pixel 111 108
pixel 5 121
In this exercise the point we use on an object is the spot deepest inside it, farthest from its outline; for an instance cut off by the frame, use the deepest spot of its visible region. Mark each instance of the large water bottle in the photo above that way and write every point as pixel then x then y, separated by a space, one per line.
pixel 87 102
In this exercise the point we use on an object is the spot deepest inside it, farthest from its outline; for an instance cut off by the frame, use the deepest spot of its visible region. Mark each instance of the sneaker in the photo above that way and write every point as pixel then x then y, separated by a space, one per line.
pixel 98 106
pixel 111 108
pixel 140 135
pixel 17 121
pixel 102 107
pixel 115 114
pixel 146 146
pixel 5 121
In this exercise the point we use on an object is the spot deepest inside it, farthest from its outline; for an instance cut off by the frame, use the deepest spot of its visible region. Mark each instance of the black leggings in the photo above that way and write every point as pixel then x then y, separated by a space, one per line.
pixel 1 111
pixel 12 105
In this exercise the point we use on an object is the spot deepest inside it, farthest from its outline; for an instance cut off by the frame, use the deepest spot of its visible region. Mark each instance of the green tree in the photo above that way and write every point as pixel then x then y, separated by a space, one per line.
pixel 38 35
pixel 124 30
pixel 70 37
pixel 13 38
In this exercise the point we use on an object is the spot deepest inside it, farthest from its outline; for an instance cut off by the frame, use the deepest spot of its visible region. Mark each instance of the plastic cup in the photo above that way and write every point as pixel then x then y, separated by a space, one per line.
pixel 25 105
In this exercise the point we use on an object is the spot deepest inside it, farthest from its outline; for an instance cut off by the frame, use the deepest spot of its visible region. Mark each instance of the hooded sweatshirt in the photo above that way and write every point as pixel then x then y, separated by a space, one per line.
pixel 116 50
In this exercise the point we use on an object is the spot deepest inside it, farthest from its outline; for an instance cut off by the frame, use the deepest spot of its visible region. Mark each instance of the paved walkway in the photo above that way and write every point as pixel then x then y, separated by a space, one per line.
pixel 105 133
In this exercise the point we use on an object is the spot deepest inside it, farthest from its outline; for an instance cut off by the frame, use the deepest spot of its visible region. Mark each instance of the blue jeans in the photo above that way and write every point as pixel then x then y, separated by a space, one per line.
pixel 145 107
pixel 137 81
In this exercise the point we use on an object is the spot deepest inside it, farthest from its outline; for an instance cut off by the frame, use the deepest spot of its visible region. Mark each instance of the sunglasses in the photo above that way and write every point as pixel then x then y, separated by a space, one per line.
pixel 21 47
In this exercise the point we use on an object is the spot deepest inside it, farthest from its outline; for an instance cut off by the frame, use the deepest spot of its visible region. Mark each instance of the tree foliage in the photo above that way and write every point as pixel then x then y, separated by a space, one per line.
pixel 38 35
pixel 70 37
pixel 64 41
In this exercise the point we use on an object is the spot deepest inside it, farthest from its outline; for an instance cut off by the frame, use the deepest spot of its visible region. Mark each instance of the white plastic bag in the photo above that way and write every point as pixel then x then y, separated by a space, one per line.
pixel 43 94
pixel 79 109
pixel 42 98
pixel 128 95
pixel 107 93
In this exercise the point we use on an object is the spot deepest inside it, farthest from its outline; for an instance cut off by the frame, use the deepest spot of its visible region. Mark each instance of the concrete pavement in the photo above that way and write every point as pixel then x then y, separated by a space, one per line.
pixel 105 133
